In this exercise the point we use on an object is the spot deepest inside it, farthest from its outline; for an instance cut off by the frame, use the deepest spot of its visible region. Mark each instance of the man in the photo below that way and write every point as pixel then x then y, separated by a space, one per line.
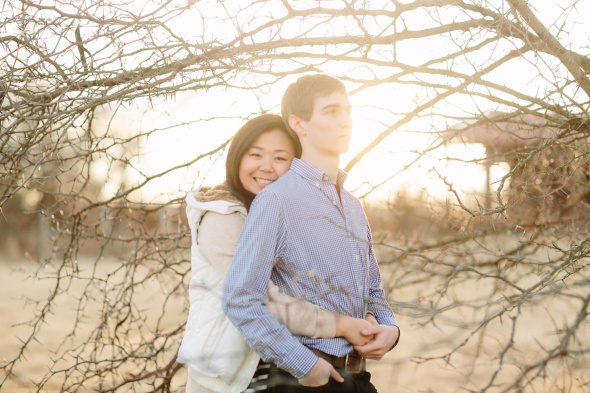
pixel 311 238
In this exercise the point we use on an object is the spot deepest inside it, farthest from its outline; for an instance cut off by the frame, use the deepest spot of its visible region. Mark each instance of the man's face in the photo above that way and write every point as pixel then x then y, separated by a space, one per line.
pixel 329 128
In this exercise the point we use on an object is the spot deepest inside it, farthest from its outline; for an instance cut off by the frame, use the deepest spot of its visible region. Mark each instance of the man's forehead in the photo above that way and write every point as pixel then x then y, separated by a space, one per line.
pixel 337 98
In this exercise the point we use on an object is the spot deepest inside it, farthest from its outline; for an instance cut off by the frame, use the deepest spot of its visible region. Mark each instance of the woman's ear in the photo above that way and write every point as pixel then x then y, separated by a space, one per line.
pixel 296 124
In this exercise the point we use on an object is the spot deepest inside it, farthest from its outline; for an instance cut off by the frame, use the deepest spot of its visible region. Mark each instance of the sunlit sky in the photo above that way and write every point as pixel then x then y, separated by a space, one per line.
pixel 178 145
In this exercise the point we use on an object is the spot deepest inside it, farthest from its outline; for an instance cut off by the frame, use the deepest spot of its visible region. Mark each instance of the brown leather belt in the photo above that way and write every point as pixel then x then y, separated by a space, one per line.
pixel 353 363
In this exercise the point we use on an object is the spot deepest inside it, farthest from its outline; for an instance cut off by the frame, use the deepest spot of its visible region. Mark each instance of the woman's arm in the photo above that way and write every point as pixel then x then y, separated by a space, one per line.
pixel 303 318
pixel 217 239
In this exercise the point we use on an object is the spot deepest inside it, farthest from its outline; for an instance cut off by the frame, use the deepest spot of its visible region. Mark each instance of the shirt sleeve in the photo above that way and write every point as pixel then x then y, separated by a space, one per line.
pixel 217 239
pixel 244 294
pixel 377 303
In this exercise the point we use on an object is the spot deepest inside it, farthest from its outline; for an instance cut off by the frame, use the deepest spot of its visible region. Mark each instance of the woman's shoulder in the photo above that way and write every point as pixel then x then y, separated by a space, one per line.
pixel 222 223
pixel 220 192
pixel 216 199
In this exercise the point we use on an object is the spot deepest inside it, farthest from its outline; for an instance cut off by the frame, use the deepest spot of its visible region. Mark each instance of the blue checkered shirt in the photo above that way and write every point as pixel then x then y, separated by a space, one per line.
pixel 312 244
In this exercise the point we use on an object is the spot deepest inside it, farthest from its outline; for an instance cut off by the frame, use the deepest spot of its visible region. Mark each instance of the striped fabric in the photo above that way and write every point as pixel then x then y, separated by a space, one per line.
pixel 314 244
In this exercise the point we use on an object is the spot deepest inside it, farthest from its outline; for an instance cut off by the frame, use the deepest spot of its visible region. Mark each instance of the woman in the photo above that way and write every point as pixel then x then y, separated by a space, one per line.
pixel 218 359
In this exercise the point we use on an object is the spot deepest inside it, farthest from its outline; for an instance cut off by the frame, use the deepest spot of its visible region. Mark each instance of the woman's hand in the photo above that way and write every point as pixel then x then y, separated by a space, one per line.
pixel 371 318
pixel 350 328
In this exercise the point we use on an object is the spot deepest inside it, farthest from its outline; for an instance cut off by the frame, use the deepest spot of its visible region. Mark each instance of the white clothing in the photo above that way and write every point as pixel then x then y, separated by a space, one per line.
pixel 218 358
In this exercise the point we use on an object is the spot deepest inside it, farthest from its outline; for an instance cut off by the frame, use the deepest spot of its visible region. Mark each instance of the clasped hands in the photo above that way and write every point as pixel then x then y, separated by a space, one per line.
pixel 368 338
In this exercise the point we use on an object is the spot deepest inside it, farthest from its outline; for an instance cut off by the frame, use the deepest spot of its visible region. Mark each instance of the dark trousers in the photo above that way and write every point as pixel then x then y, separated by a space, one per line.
pixel 271 379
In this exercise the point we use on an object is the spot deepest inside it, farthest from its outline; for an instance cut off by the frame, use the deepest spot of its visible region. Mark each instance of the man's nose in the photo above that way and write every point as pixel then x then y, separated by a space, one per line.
pixel 345 118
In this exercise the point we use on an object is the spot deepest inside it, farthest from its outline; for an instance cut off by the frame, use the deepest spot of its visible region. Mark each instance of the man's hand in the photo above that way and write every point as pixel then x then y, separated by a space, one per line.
pixel 385 337
pixel 320 374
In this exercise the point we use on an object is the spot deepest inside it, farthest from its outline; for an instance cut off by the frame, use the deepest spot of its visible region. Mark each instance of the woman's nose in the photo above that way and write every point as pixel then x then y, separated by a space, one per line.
pixel 266 165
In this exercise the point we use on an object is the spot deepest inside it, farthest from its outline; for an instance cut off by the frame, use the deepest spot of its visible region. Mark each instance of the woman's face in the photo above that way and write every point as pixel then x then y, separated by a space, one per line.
pixel 266 160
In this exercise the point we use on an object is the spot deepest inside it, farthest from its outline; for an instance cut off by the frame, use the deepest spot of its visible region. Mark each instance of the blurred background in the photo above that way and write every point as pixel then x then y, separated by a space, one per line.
pixel 469 152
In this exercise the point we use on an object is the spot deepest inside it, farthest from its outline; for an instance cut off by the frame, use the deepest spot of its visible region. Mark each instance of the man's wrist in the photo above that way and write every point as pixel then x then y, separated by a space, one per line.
pixel 399 333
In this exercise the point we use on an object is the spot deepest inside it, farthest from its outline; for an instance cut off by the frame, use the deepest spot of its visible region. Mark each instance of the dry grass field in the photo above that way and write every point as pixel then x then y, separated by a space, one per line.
pixel 400 371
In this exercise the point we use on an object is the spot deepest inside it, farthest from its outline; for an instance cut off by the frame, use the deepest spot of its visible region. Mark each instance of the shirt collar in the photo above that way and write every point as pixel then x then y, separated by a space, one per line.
pixel 314 174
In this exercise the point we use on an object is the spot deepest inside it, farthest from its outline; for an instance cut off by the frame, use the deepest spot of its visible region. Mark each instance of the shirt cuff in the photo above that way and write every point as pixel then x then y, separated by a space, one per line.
pixel 305 360
pixel 384 318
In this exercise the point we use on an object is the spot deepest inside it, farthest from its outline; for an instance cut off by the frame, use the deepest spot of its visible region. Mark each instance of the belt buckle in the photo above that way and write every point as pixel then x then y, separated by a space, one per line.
pixel 359 369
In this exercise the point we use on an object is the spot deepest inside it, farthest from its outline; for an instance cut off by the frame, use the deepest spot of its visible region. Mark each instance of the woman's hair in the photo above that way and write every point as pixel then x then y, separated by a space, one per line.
pixel 242 142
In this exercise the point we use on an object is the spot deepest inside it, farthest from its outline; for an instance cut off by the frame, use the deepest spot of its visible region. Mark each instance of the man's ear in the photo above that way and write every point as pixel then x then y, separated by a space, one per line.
pixel 296 124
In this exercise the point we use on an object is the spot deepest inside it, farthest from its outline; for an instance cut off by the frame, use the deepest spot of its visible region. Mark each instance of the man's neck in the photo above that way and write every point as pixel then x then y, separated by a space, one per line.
pixel 328 164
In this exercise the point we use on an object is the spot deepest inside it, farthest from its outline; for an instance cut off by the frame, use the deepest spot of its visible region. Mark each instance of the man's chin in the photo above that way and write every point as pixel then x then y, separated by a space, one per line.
pixel 344 149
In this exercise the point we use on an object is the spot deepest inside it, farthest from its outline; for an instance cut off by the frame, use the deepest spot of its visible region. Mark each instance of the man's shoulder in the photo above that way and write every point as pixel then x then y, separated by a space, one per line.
pixel 350 196
pixel 281 192
pixel 352 199
pixel 285 183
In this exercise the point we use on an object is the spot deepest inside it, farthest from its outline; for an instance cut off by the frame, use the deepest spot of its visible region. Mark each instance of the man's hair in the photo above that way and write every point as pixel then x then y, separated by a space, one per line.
pixel 300 96
pixel 240 145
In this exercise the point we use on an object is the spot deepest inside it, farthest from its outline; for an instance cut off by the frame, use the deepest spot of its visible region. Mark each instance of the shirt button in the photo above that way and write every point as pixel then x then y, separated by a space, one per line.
pixel 356 257
pixel 317 184
pixel 334 203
